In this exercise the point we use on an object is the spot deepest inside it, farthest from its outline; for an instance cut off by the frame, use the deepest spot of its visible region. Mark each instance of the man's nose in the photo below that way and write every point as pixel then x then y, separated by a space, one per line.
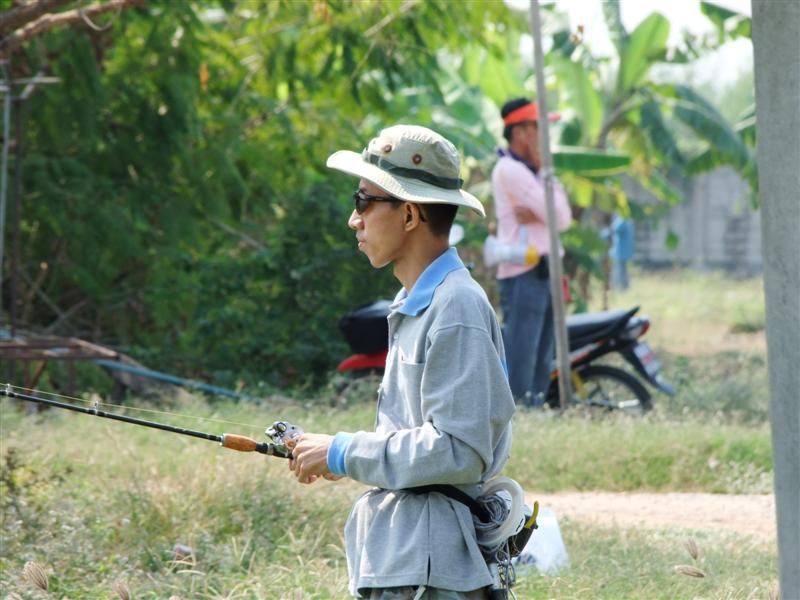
pixel 355 221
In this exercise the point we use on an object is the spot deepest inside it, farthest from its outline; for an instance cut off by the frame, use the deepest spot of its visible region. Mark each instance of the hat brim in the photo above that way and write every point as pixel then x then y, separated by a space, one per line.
pixel 404 188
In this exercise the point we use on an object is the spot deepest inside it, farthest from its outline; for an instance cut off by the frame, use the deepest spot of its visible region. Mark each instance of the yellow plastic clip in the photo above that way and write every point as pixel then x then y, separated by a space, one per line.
pixel 532 521
pixel 531 256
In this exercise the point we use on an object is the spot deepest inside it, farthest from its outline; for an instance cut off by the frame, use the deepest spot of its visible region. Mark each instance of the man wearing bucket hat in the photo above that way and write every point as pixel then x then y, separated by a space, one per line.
pixel 444 405
pixel 521 212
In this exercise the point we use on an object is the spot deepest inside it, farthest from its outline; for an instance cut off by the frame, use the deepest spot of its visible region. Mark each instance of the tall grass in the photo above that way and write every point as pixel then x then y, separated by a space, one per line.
pixel 618 453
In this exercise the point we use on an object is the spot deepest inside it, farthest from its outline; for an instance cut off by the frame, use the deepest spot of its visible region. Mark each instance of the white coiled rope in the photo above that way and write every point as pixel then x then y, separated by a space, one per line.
pixel 504 500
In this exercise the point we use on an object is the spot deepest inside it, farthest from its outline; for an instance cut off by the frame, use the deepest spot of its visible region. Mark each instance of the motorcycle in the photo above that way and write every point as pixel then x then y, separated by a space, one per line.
pixel 591 336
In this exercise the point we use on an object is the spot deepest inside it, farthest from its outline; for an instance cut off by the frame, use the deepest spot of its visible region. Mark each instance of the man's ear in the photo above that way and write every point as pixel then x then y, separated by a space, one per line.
pixel 411 216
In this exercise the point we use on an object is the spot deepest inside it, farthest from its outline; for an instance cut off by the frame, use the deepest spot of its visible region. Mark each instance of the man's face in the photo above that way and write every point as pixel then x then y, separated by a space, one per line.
pixel 379 229
pixel 528 135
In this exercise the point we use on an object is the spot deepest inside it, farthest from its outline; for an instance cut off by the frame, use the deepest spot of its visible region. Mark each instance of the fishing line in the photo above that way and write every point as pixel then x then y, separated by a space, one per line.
pixel 125 407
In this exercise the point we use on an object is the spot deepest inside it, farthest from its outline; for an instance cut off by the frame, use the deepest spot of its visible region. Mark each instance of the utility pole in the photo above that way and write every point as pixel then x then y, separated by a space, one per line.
pixel 5 87
pixel 556 268
pixel 777 75
pixel 13 105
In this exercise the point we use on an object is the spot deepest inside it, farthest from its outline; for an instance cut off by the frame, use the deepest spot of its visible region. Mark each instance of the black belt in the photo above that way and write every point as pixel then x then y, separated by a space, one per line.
pixel 452 492
pixel 542 269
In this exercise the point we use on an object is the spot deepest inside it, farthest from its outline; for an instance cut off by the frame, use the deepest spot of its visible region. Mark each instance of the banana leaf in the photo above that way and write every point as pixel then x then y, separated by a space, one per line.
pixel 616 30
pixel 646 44
pixel 661 188
pixel 589 161
pixel 730 24
pixel 581 93
pixel 498 77
pixel 707 122
pixel 652 123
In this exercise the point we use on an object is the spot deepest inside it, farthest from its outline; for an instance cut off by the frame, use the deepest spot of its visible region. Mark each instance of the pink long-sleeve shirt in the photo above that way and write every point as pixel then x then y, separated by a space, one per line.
pixel 514 184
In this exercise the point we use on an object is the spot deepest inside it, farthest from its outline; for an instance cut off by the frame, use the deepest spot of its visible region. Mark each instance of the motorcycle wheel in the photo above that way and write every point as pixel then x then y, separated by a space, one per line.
pixel 611 388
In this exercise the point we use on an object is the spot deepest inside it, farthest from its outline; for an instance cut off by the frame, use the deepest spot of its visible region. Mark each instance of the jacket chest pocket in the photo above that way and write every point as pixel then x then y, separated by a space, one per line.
pixel 409 382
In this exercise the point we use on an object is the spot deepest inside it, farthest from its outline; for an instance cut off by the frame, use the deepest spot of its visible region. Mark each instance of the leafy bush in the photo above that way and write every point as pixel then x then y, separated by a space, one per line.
pixel 274 312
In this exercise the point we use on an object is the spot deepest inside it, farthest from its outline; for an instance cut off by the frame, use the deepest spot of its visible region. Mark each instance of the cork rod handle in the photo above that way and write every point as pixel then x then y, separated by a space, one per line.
pixel 241 443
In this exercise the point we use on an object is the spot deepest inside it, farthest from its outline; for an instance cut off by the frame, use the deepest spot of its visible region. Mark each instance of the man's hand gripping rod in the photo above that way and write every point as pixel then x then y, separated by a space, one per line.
pixel 278 432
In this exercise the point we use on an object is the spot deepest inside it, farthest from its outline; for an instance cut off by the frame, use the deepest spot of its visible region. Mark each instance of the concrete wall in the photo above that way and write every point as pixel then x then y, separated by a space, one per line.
pixel 717 227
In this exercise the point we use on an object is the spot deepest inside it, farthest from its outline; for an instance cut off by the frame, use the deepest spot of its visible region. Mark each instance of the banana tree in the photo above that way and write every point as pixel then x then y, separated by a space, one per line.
pixel 616 103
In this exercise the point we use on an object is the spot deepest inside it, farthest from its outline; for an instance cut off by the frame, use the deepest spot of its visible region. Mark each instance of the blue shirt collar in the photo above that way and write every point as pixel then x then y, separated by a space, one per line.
pixel 509 152
pixel 422 293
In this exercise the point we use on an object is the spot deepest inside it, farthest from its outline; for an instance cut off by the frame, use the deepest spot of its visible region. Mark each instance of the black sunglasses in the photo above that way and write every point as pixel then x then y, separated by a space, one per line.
pixel 362 200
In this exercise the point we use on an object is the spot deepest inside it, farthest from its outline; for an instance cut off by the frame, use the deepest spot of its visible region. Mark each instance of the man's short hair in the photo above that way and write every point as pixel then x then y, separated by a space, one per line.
pixel 439 217
pixel 508 108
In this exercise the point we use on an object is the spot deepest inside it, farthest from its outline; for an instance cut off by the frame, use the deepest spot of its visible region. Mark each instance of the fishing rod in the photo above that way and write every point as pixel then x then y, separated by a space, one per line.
pixel 278 432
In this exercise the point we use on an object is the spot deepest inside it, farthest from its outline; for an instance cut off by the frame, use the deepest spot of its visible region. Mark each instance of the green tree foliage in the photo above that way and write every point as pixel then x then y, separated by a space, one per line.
pixel 618 104
pixel 176 200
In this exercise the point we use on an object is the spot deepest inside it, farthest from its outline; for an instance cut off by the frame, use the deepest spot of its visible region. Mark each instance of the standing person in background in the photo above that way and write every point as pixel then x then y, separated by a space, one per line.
pixel 444 405
pixel 622 234
pixel 521 212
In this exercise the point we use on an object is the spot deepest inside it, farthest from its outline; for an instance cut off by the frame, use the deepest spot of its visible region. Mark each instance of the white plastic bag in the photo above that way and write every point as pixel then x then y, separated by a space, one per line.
pixel 494 252
pixel 545 551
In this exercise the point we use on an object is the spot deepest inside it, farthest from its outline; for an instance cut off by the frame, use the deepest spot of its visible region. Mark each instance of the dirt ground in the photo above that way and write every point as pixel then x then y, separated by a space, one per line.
pixel 752 515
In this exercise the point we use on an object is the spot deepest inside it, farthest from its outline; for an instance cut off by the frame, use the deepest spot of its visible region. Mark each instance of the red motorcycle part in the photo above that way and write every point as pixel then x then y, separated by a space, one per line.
pixel 357 362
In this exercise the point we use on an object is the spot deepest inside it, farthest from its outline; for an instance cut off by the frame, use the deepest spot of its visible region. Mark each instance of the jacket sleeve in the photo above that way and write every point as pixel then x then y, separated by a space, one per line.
pixel 527 190
pixel 466 411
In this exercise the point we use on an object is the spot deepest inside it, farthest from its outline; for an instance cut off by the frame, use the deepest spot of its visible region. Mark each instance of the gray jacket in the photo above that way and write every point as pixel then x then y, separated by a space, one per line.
pixel 444 416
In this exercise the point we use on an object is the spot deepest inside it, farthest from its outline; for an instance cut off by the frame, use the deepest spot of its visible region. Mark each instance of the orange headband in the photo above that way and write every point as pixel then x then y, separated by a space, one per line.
pixel 528 112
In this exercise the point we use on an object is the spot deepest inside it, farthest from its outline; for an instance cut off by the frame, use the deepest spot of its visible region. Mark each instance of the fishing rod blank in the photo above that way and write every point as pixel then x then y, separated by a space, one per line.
pixel 227 440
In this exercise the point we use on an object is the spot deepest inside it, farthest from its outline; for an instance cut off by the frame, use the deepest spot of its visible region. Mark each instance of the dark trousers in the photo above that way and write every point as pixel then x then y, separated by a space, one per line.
pixel 528 334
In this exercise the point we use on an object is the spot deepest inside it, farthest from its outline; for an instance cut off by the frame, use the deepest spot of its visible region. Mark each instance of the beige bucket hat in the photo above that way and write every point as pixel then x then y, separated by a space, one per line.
pixel 411 163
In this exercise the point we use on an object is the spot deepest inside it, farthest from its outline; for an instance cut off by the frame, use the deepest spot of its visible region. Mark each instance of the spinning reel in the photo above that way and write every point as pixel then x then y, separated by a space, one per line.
pixel 279 432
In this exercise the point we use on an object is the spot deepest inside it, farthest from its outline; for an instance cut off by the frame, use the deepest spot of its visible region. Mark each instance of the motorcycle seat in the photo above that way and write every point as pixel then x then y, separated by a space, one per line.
pixel 366 329
pixel 585 328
